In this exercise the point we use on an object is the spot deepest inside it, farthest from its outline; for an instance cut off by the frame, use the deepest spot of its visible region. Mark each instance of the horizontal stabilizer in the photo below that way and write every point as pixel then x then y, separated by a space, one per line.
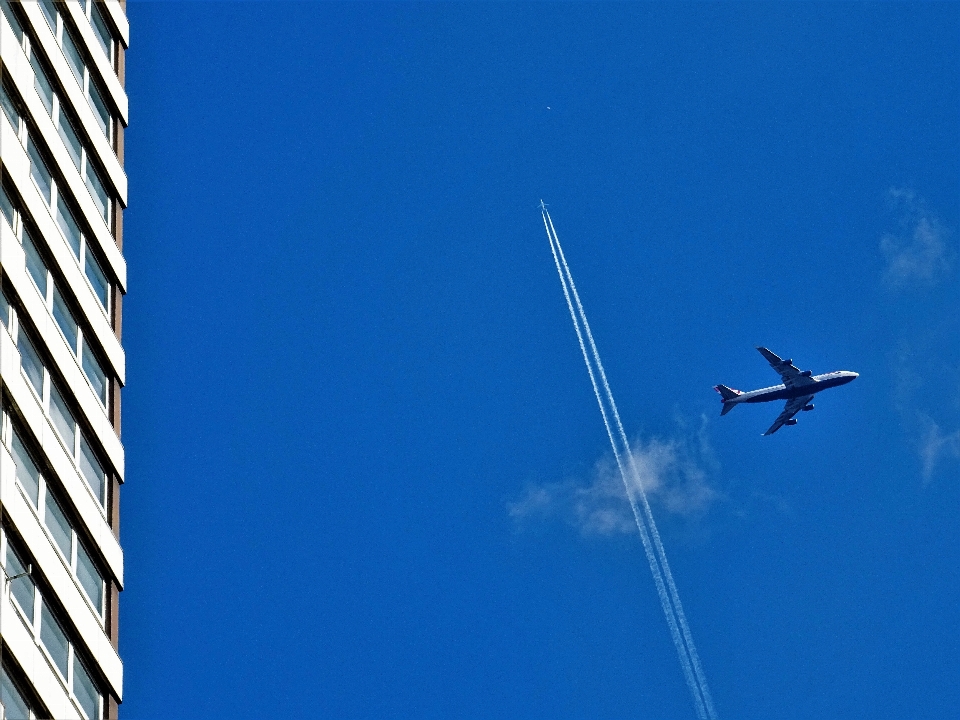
pixel 727 393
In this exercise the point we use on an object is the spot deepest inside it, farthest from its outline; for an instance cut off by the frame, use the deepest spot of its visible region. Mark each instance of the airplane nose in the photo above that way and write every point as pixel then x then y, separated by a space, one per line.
pixel 854 375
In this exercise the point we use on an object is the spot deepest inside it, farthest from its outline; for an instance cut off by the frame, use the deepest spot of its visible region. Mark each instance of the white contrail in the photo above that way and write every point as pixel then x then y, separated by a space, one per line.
pixel 673 611
pixel 644 536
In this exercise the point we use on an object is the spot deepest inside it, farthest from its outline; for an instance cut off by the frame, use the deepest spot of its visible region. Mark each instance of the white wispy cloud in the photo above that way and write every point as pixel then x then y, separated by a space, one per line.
pixel 919 253
pixel 936 446
pixel 926 377
pixel 926 396
pixel 674 473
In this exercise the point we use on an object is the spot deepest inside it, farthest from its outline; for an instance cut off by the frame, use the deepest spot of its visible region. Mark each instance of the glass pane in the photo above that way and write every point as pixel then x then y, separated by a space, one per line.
pixel 74 58
pixel 35 264
pixel 53 637
pixel 92 470
pixel 27 472
pixel 64 318
pixel 11 18
pixel 97 279
pixel 10 108
pixel 85 690
pixel 100 110
pixel 94 373
pixel 50 11
pixel 23 588
pixel 14 706
pixel 68 226
pixel 6 206
pixel 38 170
pixel 42 84
pixel 98 192
pixel 70 139
pixel 4 310
pixel 62 418
pixel 59 526
pixel 30 362
pixel 89 578
pixel 101 30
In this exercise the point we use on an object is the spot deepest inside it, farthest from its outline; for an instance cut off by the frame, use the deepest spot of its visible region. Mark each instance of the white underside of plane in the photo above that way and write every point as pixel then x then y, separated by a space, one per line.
pixel 798 389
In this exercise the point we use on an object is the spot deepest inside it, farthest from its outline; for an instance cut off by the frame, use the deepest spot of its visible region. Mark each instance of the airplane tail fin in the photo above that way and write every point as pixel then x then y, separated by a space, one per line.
pixel 727 395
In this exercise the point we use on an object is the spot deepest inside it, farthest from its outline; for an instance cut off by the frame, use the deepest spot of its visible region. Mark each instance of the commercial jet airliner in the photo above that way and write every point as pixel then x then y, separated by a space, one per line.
pixel 798 389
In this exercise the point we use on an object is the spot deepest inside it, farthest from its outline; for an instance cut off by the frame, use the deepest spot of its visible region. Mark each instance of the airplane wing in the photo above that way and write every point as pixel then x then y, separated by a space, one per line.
pixel 790 373
pixel 793 407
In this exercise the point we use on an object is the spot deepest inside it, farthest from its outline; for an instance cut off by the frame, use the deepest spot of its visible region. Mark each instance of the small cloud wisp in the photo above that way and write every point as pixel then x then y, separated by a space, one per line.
pixel 936 446
pixel 673 473
pixel 920 253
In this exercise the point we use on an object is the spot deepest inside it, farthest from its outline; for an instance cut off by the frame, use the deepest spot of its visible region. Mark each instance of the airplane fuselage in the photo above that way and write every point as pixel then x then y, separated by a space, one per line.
pixel 782 392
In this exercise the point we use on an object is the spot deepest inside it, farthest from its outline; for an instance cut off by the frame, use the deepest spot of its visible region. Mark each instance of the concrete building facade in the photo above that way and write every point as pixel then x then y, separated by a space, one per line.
pixel 63 276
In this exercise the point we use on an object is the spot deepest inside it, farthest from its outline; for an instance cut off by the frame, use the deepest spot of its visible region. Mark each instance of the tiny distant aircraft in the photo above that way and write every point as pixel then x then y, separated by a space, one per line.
pixel 798 389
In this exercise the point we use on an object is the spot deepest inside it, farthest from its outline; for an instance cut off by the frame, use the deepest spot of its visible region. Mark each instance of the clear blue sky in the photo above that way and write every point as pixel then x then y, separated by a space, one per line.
pixel 352 376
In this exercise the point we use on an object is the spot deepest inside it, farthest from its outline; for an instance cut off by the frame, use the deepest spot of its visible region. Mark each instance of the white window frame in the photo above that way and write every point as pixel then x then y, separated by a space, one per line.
pixel 82 337
pixel 88 10
pixel 40 511
pixel 86 81
pixel 81 258
pixel 34 627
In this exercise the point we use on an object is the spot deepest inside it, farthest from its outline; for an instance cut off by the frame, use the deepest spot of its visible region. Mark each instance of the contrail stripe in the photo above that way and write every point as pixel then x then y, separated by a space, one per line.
pixel 673 611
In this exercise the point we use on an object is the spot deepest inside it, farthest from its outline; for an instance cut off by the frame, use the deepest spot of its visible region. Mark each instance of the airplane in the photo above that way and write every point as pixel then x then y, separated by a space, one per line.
pixel 798 389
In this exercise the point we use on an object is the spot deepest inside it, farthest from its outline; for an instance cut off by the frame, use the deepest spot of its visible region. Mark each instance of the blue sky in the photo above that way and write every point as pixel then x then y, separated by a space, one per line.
pixel 351 368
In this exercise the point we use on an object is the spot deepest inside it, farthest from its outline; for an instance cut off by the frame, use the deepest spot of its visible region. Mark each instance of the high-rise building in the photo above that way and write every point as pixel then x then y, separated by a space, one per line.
pixel 61 362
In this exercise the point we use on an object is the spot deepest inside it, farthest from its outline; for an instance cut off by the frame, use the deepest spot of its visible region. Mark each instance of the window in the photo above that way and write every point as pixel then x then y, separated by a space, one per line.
pixel 12 19
pixel 23 588
pixel 100 29
pixel 85 690
pixel 40 174
pixel 99 282
pixel 35 264
pixel 89 577
pixel 69 328
pixel 58 525
pixel 71 141
pixel 74 56
pixel 72 53
pixel 94 373
pixel 64 217
pixel 10 108
pixel 100 110
pixel 63 420
pixel 68 226
pixel 53 638
pixel 14 706
pixel 27 472
pixel 50 11
pixel 4 310
pixel 30 362
pixel 42 83
pixel 97 191
pixel 63 316
pixel 55 641
pixel 92 470
pixel 7 207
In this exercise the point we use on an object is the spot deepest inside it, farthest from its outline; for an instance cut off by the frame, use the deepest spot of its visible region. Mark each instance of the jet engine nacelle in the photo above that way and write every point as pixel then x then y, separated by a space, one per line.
pixel 791 421
pixel 807 373
pixel 808 407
